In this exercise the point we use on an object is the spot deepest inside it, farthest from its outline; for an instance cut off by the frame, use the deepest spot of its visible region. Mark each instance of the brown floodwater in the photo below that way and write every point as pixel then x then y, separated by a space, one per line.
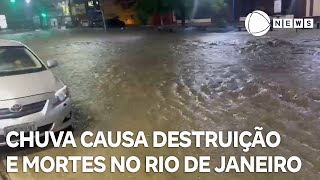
pixel 147 81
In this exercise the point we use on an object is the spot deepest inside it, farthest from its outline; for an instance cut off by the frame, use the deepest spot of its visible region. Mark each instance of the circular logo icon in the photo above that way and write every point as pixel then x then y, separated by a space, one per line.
pixel 258 23
pixel 16 108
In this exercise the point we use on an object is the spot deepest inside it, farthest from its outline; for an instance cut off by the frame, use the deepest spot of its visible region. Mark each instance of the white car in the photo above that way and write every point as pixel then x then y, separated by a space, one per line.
pixel 31 97
pixel 84 23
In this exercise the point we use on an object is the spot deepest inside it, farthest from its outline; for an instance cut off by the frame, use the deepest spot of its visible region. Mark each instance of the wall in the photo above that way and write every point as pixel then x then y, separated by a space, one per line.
pixel 312 7
pixel 307 7
pixel 316 8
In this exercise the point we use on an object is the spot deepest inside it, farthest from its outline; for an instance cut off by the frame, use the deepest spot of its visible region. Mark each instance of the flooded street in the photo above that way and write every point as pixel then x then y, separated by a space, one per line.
pixel 147 81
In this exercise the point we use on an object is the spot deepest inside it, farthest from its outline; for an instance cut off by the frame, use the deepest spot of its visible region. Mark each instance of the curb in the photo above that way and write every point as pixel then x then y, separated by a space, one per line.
pixel 15 31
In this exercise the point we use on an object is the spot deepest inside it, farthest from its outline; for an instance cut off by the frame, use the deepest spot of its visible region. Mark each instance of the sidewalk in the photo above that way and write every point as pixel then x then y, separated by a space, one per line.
pixel 10 31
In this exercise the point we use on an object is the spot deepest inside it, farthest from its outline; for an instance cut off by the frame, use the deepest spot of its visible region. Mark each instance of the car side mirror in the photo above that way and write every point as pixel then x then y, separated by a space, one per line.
pixel 52 63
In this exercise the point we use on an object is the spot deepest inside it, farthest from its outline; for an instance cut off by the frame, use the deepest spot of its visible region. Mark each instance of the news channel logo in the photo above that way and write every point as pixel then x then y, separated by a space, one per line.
pixel 258 23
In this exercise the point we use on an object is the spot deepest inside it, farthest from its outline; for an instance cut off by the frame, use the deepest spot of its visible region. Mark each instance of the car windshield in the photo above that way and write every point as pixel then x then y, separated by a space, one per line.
pixel 18 60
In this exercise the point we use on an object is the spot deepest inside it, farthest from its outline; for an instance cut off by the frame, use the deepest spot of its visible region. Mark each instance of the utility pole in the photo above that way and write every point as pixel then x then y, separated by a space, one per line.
pixel 70 12
pixel 234 13
pixel 102 14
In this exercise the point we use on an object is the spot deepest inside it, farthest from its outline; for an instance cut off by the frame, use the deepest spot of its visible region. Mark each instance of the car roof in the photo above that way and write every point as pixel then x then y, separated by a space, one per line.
pixel 5 43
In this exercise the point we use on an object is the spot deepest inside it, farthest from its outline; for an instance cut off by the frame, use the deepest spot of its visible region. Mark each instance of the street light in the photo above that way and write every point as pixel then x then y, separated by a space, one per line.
pixel 12 1
pixel 28 1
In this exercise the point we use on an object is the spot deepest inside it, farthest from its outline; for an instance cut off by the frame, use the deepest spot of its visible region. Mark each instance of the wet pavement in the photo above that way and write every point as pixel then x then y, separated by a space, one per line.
pixel 146 81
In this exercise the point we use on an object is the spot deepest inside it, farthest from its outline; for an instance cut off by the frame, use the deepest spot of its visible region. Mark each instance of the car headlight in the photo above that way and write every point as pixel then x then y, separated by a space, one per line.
pixel 61 95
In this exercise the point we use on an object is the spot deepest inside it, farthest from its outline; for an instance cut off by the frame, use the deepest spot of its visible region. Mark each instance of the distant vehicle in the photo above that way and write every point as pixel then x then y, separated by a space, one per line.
pixel 115 22
pixel 110 23
pixel 32 98
pixel 70 24
pixel 96 23
pixel 84 23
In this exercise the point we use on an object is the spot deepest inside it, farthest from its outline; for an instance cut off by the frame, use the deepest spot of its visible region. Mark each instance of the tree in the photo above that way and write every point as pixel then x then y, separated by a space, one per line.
pixel 146 8
pixel 183 8
pixel 40 6
pixel 218 11
pixel 180 7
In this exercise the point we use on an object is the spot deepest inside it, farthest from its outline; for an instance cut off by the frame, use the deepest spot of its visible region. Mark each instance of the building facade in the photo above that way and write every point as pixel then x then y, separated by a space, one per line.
pixel 299 8
pixel 312 8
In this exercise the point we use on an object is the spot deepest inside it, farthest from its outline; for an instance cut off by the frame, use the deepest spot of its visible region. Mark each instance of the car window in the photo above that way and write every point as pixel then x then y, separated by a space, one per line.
pixel 18 60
